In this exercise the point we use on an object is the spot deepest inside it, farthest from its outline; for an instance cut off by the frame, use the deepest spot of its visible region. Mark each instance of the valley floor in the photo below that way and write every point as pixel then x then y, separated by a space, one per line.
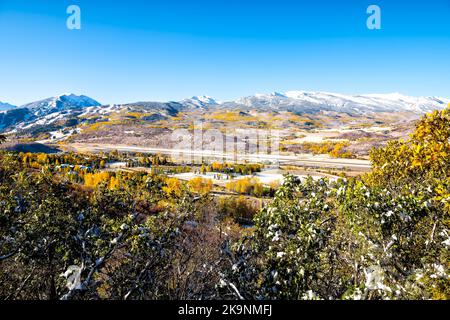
pixel 186 156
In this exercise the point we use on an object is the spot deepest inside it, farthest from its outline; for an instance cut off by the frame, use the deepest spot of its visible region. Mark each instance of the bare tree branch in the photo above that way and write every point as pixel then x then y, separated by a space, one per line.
pixel 8 255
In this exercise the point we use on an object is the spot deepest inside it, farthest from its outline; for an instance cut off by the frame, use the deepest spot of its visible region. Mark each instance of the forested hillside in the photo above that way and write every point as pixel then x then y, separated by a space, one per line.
pixel 70 230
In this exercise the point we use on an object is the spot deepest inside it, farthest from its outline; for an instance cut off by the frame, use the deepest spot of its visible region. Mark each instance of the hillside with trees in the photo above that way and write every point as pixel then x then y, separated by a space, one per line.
pixel 71 230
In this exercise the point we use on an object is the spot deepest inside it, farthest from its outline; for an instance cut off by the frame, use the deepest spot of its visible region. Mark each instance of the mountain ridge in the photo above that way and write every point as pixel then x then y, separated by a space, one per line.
pixel 60 103
pixel 69 106
pixel 313 102
pixel 6 106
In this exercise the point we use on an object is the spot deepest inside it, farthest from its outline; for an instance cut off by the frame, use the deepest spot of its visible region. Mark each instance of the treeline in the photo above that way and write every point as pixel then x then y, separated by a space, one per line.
pixel 232 168
pixel 37 160
pixel 335 149
pixel 252 186
pixel 146 161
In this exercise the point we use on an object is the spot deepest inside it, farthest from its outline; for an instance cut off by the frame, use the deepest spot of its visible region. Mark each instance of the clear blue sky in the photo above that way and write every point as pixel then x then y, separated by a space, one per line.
pixel 167 50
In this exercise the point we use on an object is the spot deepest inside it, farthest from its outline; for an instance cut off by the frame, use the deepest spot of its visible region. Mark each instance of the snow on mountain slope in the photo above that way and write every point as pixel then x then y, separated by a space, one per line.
pixel 59 103
pixel 78 109
pixel 6 106
pixel 312 102
pixel 199 102
pixel 12 117
pixel 101 110
pixel 164 108
pixel 43 112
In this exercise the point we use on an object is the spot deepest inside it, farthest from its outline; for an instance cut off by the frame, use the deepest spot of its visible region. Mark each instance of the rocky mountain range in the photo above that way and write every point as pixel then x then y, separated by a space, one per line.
pixel 70 109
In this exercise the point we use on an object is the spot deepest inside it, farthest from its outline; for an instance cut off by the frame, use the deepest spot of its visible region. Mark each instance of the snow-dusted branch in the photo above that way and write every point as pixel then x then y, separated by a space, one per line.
pixel 98 263
pixel 8 255
pixel 233 287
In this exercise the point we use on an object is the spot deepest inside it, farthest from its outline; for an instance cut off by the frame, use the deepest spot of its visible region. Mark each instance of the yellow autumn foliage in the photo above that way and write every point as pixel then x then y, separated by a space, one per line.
pixel 94 179
pixel 200 185
pixel 248 185
pixel 173 187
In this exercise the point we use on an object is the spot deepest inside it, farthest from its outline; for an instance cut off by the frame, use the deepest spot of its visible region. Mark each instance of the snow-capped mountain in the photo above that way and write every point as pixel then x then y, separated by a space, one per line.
pixel 59 103
pixel 44 112
pixel 6 106
pixel 313 102
pixel 70 109
pixel 199 102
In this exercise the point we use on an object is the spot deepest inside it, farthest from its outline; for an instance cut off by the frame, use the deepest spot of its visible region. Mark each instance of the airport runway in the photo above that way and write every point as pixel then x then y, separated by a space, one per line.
pixel 198 156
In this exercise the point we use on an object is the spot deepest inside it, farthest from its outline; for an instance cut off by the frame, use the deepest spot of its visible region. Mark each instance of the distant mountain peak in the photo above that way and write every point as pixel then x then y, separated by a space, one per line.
pixel 278 94
pixel 66 94
pixel 6 106
pixel 60 103
pixel 200 101
pixel 205 99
